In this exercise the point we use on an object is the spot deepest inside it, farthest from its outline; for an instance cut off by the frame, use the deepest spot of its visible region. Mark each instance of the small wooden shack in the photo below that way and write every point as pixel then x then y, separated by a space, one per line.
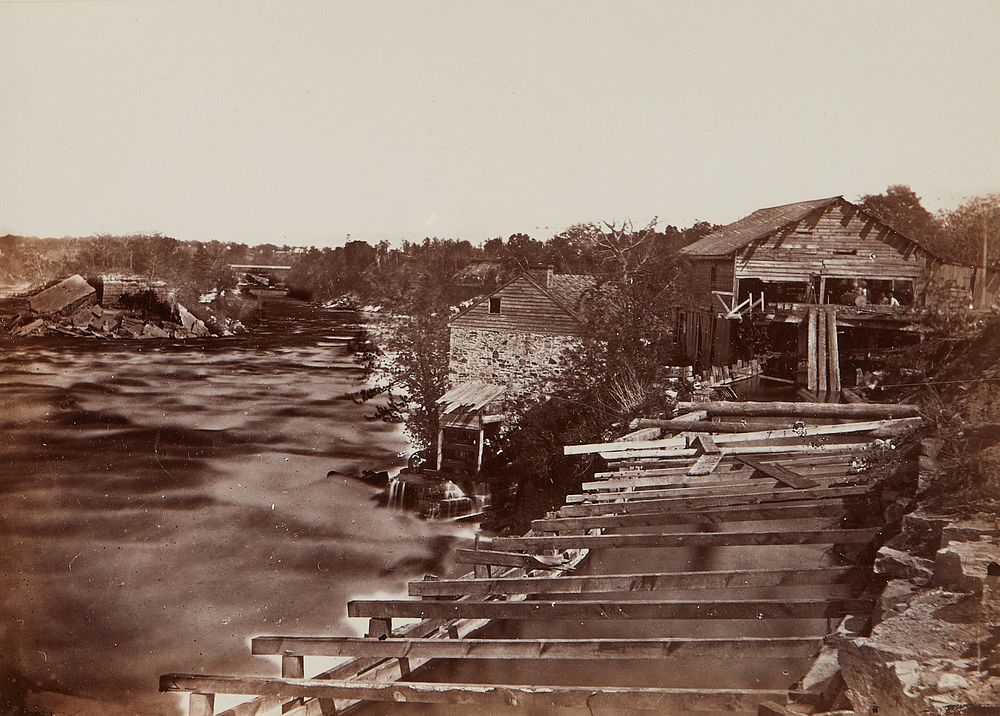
pixel 779 261
pixel 470 418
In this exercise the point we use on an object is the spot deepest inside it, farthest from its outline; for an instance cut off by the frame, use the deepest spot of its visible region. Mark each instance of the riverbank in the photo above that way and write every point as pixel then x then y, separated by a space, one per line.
pixel 167 500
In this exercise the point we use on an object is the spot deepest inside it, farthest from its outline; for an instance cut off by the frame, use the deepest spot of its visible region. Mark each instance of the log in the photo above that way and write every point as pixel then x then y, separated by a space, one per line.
pixel 483 697
pixel 679 426
pixel 821 361
pixel 644 582
pixel 833 349
pixel 763 409
pixel 689 539
pixel 812 379
pixel 768 648
pixel 814 608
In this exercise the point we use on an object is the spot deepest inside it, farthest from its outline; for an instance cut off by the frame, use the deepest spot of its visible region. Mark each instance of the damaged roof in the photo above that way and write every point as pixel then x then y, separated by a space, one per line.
pixel 471 395
pixel 758 225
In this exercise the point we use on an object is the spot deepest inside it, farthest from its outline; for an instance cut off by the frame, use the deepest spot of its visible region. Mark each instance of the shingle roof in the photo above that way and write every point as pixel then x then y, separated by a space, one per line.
pixel 471 395
pixel 567 288
pixel 757 225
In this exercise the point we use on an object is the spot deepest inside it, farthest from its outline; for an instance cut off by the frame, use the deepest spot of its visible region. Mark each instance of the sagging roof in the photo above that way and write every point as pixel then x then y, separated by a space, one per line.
pixel 569 287
pixel 758 225
pixel 472 395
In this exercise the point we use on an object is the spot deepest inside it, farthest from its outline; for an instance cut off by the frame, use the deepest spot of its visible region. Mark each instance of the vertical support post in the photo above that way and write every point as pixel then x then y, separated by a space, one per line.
pixel 379 627
pixel 834 348
pixel 292 667
pixel 822 289
pixel 479 449
pixel 327 707
pixel 811 378
pixel 201 704
pixel 821 384
pixel 440 455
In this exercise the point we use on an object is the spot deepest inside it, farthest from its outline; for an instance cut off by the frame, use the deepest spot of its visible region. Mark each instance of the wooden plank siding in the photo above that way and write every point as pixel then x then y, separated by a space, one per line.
pixel 523 308
pixel 840 242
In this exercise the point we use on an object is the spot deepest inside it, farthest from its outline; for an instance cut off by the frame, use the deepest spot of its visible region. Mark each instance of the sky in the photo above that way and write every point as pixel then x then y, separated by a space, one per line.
pixel 303 122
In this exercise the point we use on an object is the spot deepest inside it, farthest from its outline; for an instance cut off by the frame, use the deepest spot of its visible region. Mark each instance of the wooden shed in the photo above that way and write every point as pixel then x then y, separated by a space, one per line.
pixel 780 260
pixel 470 416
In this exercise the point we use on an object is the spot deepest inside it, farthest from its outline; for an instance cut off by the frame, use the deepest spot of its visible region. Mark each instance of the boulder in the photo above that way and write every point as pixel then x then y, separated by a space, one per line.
pixel 963 566
pixel 131 327
pixel 151 331
pixel 972 529
pixel 81 317
pixel 187 318
pixel 200 329
pixel 65 296
pixel 920 533
pixel 897 564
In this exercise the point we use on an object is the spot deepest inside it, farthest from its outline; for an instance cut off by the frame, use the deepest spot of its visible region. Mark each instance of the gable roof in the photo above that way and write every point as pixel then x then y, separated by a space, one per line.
pixel 757 225
pixel 565 290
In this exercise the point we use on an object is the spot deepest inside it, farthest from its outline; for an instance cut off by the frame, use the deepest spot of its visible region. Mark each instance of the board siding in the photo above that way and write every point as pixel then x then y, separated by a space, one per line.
pixel 523 308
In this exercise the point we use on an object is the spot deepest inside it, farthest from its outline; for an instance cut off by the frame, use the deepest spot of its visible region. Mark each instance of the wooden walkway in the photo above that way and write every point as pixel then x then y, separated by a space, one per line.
pixel 772 489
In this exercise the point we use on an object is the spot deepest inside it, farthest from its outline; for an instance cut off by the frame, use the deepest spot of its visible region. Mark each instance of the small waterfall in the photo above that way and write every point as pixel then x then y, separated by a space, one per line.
pixel 397 493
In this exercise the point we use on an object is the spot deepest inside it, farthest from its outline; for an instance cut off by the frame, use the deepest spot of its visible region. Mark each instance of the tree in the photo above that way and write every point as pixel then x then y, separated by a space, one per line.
pixel 900 207
pixel 973 225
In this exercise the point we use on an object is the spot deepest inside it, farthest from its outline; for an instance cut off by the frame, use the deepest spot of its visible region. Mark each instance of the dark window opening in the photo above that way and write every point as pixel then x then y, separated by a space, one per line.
pixel 844 252
pixel 495 304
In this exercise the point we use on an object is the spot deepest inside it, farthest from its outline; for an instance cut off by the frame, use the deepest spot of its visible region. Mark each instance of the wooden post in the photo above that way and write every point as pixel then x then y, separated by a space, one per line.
pixel 292 667
pixel 440 455
pixel 833 351
pixel 479 450
pixel 811 378
pixel 822 289
pixel 201 705
pixel 379 627
pixel 821 385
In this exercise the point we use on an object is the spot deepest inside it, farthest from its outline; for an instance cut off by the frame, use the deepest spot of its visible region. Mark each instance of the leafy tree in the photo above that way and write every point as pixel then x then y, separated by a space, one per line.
pixel 900 207
pixel 971 225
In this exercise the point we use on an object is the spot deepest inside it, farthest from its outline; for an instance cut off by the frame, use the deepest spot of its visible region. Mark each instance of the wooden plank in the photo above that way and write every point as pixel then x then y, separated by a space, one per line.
pixel 768 648
pixel 833 345
pixel 483 696
pixel 765 496
pixel 508 559
pixel 816 608
pixel 811 377
pixel 678 426
pixel 689 539
pixel 821 362
pixel 779 473
pixel 705 464
pixel 726 488
pixel 642 582
pixel 748 450
pixel 734 477
pixel 707 444
pixel 804 410
pixel 835 509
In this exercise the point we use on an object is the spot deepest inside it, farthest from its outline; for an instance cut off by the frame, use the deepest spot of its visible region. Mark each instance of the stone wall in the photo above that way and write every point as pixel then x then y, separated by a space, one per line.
pixel 117 286
pixel 518 359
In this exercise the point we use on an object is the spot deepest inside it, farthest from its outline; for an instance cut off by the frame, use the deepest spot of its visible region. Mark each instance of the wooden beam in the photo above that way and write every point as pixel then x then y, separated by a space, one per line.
pixel 689 539
pixel 707 443
pixel 679 426
pixel 779 473
pixel 729 477
pixel 816 608
pixel 504 559
pixel 766 496
pixel 706 463
pixel 643 582
pixel 821 362
pixel 485 696
pixel 755 484
pixel 811 377
pixel 834 509
pixel 804 410
pixel 768 648
pixel 748 450
pixel 833 345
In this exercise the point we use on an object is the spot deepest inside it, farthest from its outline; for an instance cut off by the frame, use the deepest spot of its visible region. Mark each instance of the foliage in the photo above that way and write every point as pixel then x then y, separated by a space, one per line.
pixel 409 373
pixel 970 224
pixel 900 207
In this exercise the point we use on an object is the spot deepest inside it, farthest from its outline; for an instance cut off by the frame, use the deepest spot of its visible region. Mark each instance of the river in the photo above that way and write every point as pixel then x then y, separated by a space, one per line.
pixel 162 502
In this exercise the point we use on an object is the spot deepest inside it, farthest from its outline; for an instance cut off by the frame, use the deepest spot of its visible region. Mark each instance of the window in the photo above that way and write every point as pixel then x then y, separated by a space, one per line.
pixel 494 304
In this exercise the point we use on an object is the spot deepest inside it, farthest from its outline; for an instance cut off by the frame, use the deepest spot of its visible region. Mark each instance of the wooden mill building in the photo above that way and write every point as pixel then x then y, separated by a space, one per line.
pixel 782 263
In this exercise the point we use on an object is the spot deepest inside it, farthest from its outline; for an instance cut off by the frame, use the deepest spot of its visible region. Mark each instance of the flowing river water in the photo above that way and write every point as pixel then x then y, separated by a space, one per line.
pixel 162 502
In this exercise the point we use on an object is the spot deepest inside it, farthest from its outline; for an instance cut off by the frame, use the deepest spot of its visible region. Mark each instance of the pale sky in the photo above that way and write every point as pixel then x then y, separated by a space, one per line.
pixel 301 122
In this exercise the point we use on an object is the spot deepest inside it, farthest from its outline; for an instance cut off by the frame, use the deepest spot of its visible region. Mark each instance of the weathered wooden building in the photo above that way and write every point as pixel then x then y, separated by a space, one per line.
pixel 515 335
pixel 779 261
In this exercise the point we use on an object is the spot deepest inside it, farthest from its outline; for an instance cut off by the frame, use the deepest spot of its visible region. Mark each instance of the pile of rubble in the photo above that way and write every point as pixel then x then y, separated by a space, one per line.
pixel 70 308
pixel 936 646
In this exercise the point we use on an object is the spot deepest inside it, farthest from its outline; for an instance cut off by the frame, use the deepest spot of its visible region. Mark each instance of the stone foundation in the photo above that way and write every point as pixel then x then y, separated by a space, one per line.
pixel 519 360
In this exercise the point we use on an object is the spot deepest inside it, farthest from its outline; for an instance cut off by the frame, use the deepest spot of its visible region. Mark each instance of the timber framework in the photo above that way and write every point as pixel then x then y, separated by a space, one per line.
pixel 733 550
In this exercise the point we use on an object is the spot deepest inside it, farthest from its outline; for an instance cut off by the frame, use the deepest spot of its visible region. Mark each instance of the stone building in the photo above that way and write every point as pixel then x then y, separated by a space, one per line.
pixel 514 336
pixel 117 285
